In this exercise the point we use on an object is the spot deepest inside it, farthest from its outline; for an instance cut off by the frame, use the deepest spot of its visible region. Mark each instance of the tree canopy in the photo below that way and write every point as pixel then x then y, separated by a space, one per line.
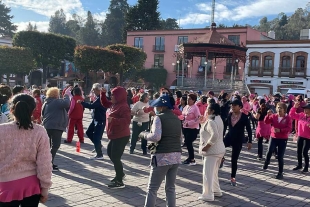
pixel 7 28
pixel 15 60
pixel 169 24
pixel 47 48
pixel 31 27
pixel 89 34
pixel 134 59
pixel 57 23
pixel 156 76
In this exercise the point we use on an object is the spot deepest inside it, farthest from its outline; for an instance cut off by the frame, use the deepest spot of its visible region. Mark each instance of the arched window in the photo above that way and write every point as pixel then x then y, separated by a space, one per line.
pixel 300 62
pixel 254 62
pixel 286 62
pixel 268 62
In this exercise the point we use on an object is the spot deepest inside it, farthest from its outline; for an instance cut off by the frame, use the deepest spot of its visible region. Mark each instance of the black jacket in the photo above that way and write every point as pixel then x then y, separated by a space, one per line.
pixel 235 135
pixel 99 112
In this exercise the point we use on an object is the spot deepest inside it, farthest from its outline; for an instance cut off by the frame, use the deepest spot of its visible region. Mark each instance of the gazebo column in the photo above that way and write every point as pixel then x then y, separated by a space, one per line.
pixel 206 69
pixel 232 72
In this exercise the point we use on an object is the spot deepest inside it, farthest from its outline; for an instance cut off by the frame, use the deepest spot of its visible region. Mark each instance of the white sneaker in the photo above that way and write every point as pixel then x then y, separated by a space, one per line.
pixel 202 198
pixel 96 158
pixel 218 194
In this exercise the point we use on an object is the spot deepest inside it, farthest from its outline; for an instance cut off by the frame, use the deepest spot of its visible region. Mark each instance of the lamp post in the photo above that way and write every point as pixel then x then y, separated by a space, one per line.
pixel 173 65
pixel 206 73
pixel 178 72
pixel 236 68
pixel 182 78
pixel 232 74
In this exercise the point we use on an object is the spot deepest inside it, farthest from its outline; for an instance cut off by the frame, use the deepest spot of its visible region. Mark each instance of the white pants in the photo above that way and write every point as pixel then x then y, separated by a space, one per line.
pixel 210 176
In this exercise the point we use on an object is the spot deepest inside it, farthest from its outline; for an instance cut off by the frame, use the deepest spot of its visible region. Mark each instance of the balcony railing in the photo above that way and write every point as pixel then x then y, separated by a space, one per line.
pixel 158 48
pixel 157 66
pixel 292 72
pixel 260 72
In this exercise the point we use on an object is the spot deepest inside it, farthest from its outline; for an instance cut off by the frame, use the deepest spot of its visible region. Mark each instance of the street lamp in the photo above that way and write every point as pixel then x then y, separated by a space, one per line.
pixel 214 69
pixel 232 74
pixel 206 73
pixel 178 72
pixel 173 64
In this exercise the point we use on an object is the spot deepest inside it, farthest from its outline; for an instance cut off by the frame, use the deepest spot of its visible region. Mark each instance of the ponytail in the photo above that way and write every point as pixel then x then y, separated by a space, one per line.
pixel 23 106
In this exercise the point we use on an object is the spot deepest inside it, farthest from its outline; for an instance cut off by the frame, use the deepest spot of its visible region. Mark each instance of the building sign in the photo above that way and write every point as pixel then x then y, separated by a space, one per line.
pixel 260 81
pixel 292 82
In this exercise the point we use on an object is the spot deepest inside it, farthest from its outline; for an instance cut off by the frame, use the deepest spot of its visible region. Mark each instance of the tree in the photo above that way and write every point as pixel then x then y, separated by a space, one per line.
pixel 134 59
pixel 221 26
pixel 89 35
pixel 57 23
pixel 7 28
pixel 156 76
pixel 31 27
pixel 89 58
pixel 143 16
pixel 15 60
pixel 115 22
pixel 47 48
pixel 169 24
pixel 73 28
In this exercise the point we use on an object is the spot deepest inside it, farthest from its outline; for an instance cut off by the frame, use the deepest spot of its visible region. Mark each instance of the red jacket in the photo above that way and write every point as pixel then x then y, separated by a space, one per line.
pixel 119 111
pixel 37 111
pixel 303 123
pixel 285 126
pixel 136 98
pixel 76 109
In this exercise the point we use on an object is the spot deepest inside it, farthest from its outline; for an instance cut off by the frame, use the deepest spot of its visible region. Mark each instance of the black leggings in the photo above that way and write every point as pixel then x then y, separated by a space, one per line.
pixel 190 136
pixel 303 146
pixel 32 201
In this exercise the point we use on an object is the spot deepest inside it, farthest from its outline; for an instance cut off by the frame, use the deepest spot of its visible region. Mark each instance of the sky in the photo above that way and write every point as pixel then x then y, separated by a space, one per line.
pixel 189 13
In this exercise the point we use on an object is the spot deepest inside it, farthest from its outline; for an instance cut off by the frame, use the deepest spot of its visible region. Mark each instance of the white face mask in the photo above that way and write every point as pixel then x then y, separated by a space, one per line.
pixel 157 111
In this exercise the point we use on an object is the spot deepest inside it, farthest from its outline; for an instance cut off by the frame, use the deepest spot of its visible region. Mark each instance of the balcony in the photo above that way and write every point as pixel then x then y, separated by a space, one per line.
pixel 292 72
pixel 260 72
pixel 158 48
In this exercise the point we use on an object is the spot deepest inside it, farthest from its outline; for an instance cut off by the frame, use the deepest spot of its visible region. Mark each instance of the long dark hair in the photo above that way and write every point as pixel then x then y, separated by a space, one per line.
pixel 3 99
pixel 22 108
pixel 216 108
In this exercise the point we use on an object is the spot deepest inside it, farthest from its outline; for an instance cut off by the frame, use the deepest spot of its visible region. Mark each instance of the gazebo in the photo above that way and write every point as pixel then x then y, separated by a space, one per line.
pixel 213 46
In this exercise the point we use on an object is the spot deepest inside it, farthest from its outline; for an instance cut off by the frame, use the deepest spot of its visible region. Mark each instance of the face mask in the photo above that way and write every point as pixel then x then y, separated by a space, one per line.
pixel 156 111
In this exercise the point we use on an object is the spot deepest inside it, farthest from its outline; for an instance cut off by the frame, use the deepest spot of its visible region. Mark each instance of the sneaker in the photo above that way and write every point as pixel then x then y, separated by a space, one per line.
pixel 94 150
pixel 114 179
pixel 55 168
pixel 279 176
pixel 67 142
pixel 233 182
pixel 259 158
pixel 202 198
pixel 116 184
pixel 131 152
pixel 189 162
pixel 297 167
pixel 96 158
pixel 304 171
pixel 218 194
pixel 222 162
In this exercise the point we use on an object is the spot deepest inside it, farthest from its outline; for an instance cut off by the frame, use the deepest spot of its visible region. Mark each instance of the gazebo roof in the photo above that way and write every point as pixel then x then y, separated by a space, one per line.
pixel 213 45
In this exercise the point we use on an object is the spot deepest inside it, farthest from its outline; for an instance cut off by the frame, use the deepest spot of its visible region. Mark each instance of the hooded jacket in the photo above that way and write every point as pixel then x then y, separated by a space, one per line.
pixel 119 111
pixel 303 123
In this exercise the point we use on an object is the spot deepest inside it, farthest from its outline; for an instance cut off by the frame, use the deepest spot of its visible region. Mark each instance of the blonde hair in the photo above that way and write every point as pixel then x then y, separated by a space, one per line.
pixel 52 92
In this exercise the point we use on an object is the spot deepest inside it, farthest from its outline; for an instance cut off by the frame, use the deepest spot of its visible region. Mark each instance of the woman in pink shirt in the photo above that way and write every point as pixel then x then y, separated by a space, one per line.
pixel 202 105
pixel 25 157
pixel 191 122
pixel 281 127
pixel 303 143
pixel 246 106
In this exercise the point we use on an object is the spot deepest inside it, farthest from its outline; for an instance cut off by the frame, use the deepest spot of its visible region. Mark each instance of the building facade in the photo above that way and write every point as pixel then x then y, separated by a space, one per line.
pixel 277 65
pixel 162 46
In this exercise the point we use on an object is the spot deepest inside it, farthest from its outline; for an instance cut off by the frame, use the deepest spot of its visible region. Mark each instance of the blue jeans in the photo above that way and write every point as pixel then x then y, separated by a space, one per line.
pixel 273 144
pixel 94 132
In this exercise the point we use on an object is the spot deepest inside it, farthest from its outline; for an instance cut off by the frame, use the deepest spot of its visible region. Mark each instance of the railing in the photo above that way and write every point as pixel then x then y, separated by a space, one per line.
pixel 158 48
pixel 198 83
pixel 260 72
pixel 157 66
pixel 292 72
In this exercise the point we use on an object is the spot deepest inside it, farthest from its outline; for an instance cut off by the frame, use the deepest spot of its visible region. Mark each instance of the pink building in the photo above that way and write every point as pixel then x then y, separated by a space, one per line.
pixel 161 47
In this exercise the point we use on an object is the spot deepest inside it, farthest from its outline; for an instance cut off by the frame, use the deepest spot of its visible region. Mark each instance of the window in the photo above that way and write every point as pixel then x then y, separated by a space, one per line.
pixel 138 42
pixel 235 39
pixel 268 64
pixel 158 60
pixel 254 62
pixel 228 65
pixel 286 62
pixel 300 62
pixel 182 39
pixel 159 44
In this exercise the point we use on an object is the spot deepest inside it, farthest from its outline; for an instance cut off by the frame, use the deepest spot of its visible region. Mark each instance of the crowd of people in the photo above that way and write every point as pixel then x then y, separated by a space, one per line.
pixel 34 121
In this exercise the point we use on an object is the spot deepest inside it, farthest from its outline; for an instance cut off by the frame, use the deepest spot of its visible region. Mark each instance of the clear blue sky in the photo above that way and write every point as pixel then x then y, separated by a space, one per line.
pixel 190 13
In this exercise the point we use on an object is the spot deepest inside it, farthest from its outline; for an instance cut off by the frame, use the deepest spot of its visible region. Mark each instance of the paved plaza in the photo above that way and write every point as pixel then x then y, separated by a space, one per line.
pixel 83 182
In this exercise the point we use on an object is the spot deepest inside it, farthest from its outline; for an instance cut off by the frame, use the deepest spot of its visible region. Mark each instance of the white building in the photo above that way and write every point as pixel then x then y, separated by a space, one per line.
pixel 277 65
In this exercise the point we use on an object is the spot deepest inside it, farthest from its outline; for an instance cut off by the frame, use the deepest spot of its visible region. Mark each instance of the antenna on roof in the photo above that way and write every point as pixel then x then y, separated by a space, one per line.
pixel 212 12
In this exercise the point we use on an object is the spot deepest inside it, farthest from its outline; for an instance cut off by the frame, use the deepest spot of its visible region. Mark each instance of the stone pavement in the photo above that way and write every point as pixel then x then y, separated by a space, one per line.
pixel 83 182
